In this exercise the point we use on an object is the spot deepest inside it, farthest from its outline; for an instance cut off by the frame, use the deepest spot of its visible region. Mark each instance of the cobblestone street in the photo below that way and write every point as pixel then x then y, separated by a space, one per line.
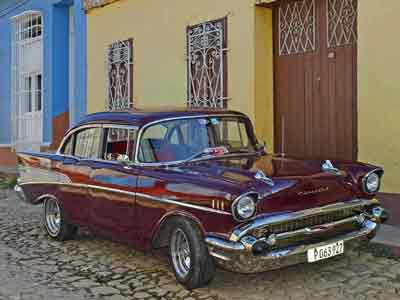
pixel 35 267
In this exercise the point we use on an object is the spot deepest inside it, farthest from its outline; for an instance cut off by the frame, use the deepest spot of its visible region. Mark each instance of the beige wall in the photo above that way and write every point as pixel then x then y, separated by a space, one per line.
pixel 159 33
pixel 379 88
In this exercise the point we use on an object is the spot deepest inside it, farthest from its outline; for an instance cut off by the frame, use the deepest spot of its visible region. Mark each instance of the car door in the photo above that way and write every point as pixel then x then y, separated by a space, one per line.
pixel 113 183
pixel 80 147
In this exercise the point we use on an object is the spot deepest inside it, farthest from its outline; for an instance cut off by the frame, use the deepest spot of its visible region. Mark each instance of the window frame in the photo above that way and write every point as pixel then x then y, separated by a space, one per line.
pixel 72 134
pixel 249 125
pixel 105 129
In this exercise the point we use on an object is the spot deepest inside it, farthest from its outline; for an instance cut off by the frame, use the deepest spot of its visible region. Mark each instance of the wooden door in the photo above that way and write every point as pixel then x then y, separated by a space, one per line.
pixel 316 78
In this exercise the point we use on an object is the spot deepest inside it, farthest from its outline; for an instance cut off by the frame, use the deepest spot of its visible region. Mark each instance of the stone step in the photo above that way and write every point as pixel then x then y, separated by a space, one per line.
pixel 388 237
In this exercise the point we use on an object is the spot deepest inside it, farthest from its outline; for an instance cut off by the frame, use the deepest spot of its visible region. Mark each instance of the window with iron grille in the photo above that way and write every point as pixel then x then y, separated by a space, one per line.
pixel 207 64
pixel 120 75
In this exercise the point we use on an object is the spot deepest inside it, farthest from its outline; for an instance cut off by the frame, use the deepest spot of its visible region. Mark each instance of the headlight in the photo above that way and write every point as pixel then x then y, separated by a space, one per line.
pixel 244 208
pixel 371 183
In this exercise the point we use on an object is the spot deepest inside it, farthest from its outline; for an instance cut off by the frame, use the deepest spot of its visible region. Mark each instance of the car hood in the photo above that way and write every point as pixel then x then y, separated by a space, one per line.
pixel 296 184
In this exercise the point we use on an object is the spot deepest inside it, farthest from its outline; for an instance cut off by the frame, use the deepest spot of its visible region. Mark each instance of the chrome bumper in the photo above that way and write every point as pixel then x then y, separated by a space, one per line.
pixel 244 255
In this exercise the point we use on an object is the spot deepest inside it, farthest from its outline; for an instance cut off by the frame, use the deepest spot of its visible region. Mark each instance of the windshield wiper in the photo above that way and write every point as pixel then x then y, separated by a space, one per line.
pixel 209 152
pixel 241 151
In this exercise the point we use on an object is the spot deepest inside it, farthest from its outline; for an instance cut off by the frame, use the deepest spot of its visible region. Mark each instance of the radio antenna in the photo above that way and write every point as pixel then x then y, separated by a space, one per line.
pixel 283 135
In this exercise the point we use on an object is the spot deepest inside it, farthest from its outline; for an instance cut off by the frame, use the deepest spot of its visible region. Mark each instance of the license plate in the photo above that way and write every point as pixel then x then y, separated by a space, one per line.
pixel 324 252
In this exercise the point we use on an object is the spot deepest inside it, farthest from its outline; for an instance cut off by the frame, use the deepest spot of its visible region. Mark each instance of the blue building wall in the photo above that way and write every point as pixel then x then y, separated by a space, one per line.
pixel 55 14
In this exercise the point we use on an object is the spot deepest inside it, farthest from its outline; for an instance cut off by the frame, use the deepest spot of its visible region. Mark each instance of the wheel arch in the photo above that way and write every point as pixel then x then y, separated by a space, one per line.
pixel 163 229
pixel 40 199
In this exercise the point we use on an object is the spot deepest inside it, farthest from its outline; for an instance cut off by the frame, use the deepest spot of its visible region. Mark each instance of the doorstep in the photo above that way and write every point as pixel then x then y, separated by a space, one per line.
pixel 391 202
pixel 388 239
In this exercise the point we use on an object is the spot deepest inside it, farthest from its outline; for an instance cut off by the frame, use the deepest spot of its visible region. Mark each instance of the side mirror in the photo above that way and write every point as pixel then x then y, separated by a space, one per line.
pixel 261 148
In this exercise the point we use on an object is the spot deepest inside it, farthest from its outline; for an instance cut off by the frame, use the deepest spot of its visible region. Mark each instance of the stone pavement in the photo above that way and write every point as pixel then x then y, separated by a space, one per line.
pixel 32 266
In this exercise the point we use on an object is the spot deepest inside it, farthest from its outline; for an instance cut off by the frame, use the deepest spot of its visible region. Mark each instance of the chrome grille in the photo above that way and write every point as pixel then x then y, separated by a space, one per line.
pixel 307 221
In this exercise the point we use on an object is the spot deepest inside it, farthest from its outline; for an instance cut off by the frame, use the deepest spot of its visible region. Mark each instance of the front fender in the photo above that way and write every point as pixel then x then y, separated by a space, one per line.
pixel 162 230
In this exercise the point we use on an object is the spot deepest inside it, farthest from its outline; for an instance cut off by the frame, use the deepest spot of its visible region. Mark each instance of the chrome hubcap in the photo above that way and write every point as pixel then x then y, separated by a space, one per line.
pixel 52 216
pixel 180 252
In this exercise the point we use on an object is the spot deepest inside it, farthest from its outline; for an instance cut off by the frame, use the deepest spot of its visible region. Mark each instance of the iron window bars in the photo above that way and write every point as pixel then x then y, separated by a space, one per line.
pixel 207 64
pixel 120 75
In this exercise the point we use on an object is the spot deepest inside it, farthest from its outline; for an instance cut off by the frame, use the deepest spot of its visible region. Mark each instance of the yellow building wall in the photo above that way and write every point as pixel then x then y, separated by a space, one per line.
pixel 158 29
pixel 264 84
pixel 379 88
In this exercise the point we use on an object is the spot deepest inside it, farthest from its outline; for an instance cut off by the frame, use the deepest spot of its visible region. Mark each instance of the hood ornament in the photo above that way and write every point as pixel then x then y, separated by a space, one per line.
pixel 327 166
pixel 260 175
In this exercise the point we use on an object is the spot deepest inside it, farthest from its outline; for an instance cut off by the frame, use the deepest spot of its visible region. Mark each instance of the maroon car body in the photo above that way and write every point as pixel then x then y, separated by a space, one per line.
pixel 300 204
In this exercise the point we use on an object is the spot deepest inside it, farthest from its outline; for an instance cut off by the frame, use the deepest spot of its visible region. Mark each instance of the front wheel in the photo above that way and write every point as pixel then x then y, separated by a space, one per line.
pixel 192 264
pixel 54 222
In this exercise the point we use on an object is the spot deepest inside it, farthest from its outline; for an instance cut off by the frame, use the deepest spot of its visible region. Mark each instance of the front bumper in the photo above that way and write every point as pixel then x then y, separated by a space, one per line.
pixel 238 252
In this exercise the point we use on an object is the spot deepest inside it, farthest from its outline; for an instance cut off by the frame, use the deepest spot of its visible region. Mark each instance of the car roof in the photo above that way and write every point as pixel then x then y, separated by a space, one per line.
pixel 141 117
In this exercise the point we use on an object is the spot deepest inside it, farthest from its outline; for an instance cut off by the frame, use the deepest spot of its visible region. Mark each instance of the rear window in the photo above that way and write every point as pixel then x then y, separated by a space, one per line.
pixel 88 143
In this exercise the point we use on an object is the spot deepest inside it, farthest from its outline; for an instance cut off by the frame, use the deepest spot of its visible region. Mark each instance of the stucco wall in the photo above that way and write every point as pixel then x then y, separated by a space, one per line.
pixel 55 62
pixel 379 88
pixel 159 34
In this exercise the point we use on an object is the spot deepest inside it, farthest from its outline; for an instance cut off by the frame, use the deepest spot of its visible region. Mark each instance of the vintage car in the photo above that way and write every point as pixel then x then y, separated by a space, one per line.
pixel 199 183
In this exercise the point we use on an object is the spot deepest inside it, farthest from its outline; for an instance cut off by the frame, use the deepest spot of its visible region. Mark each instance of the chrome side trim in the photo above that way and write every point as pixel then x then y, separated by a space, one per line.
pixel 133 194
pixel 188 205
pixel 276 219
pixel 29 174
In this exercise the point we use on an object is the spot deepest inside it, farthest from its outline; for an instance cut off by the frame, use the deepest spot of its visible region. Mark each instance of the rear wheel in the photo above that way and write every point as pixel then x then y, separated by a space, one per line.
pixel 54 222
pixel 192 264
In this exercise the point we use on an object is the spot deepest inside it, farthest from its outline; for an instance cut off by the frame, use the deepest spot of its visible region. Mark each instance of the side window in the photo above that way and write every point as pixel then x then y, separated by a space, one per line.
pixel 156 132
pixel 88 143
pixel 67 147
pixel 119 142
pixel 152 141
pixel 232 133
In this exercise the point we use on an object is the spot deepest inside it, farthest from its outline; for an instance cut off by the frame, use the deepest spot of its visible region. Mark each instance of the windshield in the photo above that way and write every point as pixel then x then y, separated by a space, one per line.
pixel 179 140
